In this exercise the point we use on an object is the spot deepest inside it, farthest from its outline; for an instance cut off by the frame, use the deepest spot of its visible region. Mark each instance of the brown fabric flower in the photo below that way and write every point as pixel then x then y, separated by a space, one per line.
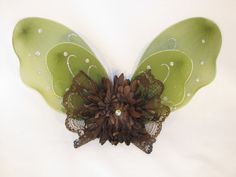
pixel 122 111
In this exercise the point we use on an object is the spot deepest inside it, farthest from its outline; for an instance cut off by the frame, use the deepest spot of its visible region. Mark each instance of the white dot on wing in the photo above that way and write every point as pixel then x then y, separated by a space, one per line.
pixel 202 62
pixel 65 53
pixel 86 60
pixel 172 63
pixel 40 30
pixel 37 53
pixel 148 67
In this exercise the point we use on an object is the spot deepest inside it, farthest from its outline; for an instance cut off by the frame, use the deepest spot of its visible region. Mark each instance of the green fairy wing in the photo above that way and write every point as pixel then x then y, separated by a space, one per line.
pixel 184 58
pixel 50 54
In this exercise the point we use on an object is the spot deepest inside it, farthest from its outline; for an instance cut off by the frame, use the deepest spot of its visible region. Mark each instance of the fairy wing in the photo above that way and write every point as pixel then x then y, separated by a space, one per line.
pixel 183 57
pixel 50 54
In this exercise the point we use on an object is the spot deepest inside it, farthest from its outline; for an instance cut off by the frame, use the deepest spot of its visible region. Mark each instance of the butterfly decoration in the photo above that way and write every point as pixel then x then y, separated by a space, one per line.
pixel 58 63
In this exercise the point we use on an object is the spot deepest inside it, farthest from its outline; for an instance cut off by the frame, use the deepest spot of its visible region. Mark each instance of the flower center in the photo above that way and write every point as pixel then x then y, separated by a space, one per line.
pixel 118 112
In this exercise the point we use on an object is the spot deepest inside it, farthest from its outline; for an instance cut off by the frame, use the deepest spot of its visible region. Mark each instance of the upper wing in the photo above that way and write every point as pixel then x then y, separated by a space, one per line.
pixel 33 39
pixel 199 41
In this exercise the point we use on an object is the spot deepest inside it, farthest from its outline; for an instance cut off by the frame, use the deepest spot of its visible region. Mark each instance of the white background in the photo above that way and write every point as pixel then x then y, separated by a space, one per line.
pixel 198 140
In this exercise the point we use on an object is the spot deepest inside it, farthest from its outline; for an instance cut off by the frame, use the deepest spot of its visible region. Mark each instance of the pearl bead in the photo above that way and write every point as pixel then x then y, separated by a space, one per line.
pixel 118 112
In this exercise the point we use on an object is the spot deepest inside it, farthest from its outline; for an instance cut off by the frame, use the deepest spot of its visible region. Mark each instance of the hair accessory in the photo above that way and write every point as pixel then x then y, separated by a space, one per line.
pixel 57 63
